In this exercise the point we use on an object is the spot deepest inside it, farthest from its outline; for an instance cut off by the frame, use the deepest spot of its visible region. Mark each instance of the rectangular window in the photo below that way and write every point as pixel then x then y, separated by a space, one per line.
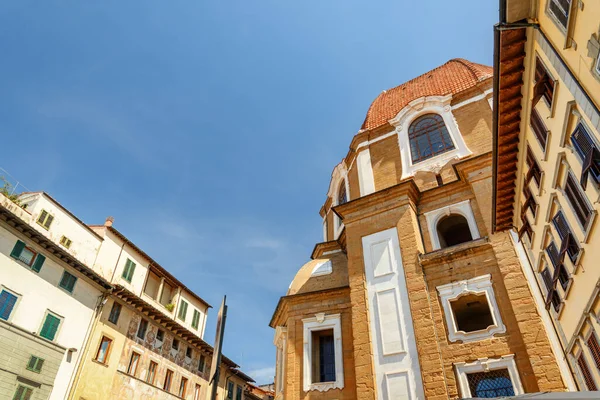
pixel 50 326
pixel 7 304
pixel 592 343
pixel 201 363
pixel 160 335
pixel 188 352
pixel 539 129
pixel 565 233
pixel 544 84
pixel 183 386
pixel 559 9
pixel 133 363
pixel 196 319
pixel 230 390
pixel 128 270
pixel 586 373
pixel 65 241
pixel 27 256
pixel 35 364
pixel 45 219
pixel 168 380
pixel 552 295
pixel 183 306
pixel 152 372
pixel 529 203
pixel 175 344
pixel 495 383
pixel 578 200
pixel 197 392
pixel 115 313
pixel 103 350
pixel 238 394
pixel 563 274
pixel 535 171
pixel 23 393
pixel 152 285
pixel 68 281
pixel 142 328
pixel 587 150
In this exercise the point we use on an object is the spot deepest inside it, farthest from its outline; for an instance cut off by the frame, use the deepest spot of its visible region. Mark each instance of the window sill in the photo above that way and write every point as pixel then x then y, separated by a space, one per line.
pixel 105 365
pixel 324 386
pixel 455 251
pixel 474 336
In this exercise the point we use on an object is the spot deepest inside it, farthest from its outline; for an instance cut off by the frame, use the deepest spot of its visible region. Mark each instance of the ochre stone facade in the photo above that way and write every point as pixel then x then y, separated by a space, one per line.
pixel 388 274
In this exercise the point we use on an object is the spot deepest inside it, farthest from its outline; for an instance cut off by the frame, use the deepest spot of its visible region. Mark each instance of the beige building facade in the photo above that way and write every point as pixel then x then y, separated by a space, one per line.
pixel 547 165
pixel 411 295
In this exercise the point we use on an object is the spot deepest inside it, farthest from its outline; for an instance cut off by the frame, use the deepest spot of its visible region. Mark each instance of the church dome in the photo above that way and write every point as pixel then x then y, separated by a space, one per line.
pixel 328 272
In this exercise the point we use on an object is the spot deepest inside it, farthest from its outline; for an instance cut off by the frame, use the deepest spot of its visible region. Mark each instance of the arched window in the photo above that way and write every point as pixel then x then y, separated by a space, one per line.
pixel 341 197
pixel 452 230
pixel 428 137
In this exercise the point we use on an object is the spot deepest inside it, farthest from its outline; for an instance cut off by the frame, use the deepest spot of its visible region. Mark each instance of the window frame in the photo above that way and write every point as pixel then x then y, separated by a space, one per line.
pixel 230 387
pixel 128 270
pixel 115 309
pixel 143 322
pixel 65 242
pixel 338 224
pixel 58 329
pixel 581 358
pixel 487 364
pixel 189 349
pixel 195 319
pixel 202 362
pixel 183 386
pixel 183 307
pixel 434 217
pixel 480 285
pixel 582 127
pixel 37 366
pixel 43 221
pixel 66 288
pixel 15 305
pixel 23 395
pixel 414 136
pixel 585 202
pixel 151 373
pixel 169 373
pixel 563 28
pixel 318 323
pixel 131 361
pixel 539 129
pixel 552 82
pixel 106 358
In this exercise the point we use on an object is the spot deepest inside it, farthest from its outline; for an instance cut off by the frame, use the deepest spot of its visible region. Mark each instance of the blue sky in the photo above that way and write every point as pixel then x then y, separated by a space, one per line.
pixel 209 129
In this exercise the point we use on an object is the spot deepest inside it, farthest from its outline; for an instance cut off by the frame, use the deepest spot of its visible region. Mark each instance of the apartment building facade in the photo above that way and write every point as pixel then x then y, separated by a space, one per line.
pixel 139 330
pixel 411 295
pixel 547 165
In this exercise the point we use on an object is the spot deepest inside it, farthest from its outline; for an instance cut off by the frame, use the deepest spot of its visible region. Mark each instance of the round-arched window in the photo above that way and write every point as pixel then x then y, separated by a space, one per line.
pixel 341 197
pixel 428 137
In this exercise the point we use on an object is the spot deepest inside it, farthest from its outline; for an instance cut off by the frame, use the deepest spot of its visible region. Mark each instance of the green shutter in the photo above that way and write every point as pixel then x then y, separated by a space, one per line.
pixel 18 249
pixel 128 271
pixel 35 364
pixel 37 264
pixel 196 319
pixel 50 327
pixel 68 282
pixel 183 310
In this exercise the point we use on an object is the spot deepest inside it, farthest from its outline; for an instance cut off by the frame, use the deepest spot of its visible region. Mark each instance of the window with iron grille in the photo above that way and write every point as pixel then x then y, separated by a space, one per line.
pixel 535 171
pixel 428 137
pixel 565 233
pixel 559 9
pixel 578 200
pixel 539 128
pixel 592 343
pixel 587 150
pixel 544 84
pixel 491 384
pixel 547 278
pixel 563 274
pixel 586 373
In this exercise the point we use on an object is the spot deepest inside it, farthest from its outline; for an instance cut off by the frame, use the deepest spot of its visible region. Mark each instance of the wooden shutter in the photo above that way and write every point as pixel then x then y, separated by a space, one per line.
pixel 562 227
pixel 17 250
pixel 594 349
pixel 587 374
pixel 539 129
pixel 577 200
pixel 37 264
pixel 544 85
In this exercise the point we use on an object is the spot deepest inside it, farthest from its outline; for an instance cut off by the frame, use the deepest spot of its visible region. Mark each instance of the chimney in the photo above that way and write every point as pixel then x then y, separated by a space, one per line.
pixel 109 221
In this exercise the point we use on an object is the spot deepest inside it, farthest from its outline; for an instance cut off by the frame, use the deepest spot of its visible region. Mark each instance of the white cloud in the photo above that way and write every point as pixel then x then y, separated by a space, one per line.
pixel 263 376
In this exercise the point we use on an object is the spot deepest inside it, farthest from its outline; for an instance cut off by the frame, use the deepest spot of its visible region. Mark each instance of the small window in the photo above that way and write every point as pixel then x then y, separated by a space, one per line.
pixel 152 285
pixel 490 384
pixel 175 344
pixel 196 319
pixel 133 363
pixel 472 312
pixel 566 234
pixel 104 350
pixel 428 137
pixel 160 335
pixel 587 150
pixel 552 296
pixel 115 313
pixel 535 172
pixel 183 386
pixel 45 219
pixel 65 241
pixel 539 129
pixel 230 390
pixel 559 9
pixel 197 392
pixel 8 301
pixel 544 84
pixel 152 372
pixel 23 393
pixel 594 347
pixel 201 363
pixel 35 364
pixel 452 230
pixel 128 270
pixel 323 357
pixel 563 274
pixel 342 197
pixel 586 373
pixel 50 326
pixel 238 394
pixel 68 281
pixel 142 328
pixel 168 380
pixel 183 306
pixel 27 256
pixel 188 352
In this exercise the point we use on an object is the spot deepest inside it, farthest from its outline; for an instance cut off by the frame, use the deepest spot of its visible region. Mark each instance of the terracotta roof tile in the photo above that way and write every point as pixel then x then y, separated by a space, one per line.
pixel 453 77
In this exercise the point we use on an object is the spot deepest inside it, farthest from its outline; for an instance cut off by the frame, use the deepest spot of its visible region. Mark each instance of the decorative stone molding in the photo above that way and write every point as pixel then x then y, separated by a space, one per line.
pixel 321 322
pixel 428 105
pixel 280 342
pixel 433 218
pixel 479 285
pixel 339 175
pixel 486 365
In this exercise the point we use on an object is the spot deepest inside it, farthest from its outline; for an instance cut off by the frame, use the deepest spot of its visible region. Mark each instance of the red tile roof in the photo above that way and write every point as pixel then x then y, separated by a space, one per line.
pixel 453 77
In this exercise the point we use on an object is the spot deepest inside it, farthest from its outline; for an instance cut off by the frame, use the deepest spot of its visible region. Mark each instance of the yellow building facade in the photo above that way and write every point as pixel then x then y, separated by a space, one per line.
pixel 411 295
pixel 547 165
